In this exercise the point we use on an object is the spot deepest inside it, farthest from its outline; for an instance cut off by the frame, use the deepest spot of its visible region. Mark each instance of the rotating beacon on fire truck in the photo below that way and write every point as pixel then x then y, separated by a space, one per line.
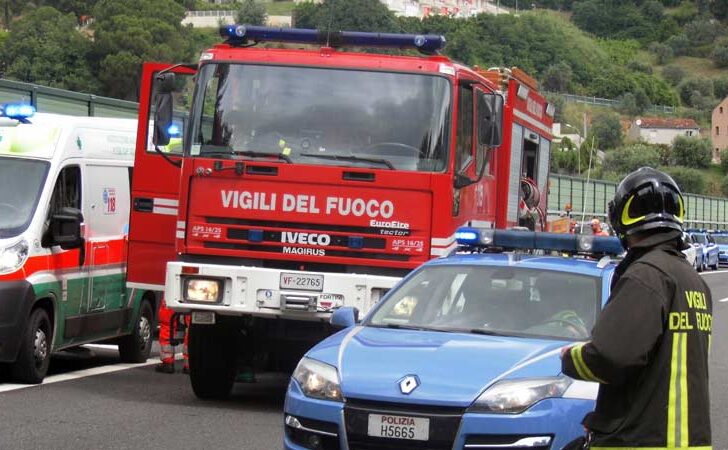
pixel 309 179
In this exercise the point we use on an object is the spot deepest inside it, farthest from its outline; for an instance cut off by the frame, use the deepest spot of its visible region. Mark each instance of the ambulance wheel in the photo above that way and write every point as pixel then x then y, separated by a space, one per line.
pixel 34 355
pixel 135 348
pixel 212 361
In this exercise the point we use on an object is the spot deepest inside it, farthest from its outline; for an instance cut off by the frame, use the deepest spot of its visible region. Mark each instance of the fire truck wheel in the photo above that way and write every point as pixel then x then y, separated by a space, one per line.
pixel 212 361
pixel 34 355
pixel 135 348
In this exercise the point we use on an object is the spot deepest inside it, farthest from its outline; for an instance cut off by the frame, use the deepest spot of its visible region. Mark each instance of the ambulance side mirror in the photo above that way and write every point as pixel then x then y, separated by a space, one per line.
pixel 65 230
pixel 163 108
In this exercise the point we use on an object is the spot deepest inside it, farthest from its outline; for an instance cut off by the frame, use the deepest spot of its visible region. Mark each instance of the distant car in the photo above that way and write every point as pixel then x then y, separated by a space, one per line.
pixel 710 248
pixel 691 253
pixel 721 238
pixel 462 353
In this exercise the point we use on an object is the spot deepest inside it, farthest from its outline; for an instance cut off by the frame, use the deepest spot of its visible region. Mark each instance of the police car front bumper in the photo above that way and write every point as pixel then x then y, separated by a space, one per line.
pixel 311 423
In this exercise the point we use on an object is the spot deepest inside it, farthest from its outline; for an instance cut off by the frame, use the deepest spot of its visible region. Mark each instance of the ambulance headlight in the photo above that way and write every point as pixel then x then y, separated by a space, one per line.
pixel 516 396
pixel 203 290
pixel 318 379
pixel 12 258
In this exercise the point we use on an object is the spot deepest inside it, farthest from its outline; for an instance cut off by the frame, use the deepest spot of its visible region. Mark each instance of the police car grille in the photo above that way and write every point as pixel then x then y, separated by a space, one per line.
pixel 444 423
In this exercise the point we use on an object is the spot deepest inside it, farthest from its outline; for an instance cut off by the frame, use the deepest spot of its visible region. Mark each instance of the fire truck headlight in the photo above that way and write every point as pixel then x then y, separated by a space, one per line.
pixel 203 290
pixel 12 258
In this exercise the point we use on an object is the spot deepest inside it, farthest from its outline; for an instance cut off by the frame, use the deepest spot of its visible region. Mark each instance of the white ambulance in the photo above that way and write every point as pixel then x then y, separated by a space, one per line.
pixel 64 214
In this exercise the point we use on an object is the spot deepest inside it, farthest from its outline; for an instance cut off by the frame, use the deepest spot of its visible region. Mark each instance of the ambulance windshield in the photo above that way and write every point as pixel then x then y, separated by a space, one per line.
pixel 21 183
pixel 322 116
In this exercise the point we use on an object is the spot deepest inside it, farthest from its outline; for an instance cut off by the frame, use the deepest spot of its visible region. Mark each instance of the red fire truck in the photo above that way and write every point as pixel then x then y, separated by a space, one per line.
pixel 300 180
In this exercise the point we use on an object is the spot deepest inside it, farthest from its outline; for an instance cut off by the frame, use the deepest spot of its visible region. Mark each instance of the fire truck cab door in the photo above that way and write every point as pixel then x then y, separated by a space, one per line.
pixel 156 181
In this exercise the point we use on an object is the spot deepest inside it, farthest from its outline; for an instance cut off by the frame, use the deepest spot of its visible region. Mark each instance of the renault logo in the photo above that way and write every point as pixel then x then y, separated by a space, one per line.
pixel 408 384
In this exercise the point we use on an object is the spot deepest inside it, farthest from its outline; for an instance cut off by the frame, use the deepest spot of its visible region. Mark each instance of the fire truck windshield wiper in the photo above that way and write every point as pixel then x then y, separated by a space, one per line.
pixel 252 154
pixel 351 158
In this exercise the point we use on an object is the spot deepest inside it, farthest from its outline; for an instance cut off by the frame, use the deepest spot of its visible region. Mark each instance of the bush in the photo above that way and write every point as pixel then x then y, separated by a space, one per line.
pixel 691 152
pixel 719 55
pixel 673 74
pixel 252 12
pixel 631 157
pixel 689 180
pixel 680 44
pixel 724 186
pixel 720 87
pixel 606 130
pixel 664 53
pixel 689 87
pixel 724 160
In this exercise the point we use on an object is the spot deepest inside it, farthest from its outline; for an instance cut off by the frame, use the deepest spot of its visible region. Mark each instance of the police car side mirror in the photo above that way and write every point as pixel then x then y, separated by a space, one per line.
pixel 65 231
pixel 345 317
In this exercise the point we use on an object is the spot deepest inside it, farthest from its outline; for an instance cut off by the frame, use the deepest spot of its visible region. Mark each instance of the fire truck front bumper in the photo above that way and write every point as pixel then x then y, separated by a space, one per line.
pixel 243 290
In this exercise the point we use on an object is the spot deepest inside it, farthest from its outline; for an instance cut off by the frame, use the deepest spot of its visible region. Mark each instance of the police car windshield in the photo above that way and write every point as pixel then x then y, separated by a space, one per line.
pixel 511 301
pixel 21 183
pixel 323 116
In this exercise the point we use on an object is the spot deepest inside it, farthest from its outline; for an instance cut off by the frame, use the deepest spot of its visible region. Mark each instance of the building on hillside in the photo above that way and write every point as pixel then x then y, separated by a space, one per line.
pixel 719 129
pixel 559 130
pixel 658 130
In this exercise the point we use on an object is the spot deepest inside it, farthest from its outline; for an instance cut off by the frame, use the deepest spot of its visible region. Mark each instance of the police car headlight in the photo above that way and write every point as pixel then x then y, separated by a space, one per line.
pixel 12 258
pixel 318 380
pixel 515 396
pixel 203 290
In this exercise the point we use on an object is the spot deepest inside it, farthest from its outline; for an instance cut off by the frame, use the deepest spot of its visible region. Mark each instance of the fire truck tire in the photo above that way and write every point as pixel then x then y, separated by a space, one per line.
pixel 34 355
pixel 135 348
pixel 212 361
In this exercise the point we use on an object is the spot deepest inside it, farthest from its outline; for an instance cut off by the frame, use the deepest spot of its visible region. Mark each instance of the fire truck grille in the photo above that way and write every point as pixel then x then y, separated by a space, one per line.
pixel 329 252
pixel 336 240
pixel 381 231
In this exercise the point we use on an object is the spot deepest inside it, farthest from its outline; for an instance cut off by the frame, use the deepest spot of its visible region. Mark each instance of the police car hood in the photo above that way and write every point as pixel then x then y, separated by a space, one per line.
pixel 452 368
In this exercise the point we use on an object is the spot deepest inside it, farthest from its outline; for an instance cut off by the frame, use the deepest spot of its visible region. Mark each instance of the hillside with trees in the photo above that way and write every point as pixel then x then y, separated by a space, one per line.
pixel 641 52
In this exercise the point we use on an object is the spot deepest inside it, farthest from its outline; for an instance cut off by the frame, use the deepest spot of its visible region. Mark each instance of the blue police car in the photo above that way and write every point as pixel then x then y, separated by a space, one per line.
pixel 721 238
pixel 463 353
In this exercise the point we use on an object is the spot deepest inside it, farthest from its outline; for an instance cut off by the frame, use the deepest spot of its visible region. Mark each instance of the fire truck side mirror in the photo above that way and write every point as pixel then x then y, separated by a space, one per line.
pixel 163 108
pixel 490 119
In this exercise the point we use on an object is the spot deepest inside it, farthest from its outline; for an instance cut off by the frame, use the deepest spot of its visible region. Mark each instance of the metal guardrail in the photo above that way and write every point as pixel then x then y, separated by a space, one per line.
pixel 61 101
pixel 592 199
pixel 608 102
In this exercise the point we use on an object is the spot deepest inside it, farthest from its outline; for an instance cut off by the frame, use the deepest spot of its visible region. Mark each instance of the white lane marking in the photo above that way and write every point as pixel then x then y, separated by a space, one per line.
pixel 83 374
pixel 714 272
pixel 723 300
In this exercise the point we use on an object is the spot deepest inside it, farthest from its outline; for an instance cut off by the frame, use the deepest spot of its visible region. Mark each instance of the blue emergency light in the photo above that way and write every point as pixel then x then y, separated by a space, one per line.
pixel 244 34
pixel 17 111
pixel 482 238
pixel 174 131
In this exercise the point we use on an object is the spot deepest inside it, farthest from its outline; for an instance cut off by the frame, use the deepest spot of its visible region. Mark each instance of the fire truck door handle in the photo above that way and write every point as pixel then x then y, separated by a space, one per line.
pixel 358 176
pixel 143 204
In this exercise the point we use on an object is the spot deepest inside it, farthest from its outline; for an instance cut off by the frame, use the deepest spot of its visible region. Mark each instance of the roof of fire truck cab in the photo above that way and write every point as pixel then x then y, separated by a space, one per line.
pixel 312 56
pixel 579 265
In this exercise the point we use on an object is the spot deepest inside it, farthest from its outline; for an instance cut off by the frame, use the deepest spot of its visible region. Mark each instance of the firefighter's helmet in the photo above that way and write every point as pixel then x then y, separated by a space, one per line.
pixel 646 199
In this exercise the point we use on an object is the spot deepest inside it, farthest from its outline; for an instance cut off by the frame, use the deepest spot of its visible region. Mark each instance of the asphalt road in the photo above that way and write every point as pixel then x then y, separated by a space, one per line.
pixel 137 408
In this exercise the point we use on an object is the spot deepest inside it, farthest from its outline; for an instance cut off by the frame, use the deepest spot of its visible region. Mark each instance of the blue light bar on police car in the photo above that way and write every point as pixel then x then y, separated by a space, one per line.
pixel 18 111
pixel 242 34
pixel 529 240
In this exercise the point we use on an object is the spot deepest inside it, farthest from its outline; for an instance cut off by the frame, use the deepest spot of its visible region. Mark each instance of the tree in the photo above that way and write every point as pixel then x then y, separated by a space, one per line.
pixel 673 74
pixel 724 186
pixel 354 15
pixel 691 152
pixel 703 86
pixel 688 179
pixel 719 55
pixel 606 130
pixel 720 87
pixel 44 47
pixel 557 77
pixel 631 157
pixel 251 13
pixel 724 160
pixel 664 53
pixel 130 32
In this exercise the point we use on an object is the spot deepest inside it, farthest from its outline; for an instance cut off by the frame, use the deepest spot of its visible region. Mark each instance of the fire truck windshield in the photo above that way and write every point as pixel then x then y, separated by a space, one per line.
pixel 322 116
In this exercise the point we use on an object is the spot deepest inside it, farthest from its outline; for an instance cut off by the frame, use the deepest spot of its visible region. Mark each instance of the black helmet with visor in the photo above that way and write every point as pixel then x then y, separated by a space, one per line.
pixel 646 199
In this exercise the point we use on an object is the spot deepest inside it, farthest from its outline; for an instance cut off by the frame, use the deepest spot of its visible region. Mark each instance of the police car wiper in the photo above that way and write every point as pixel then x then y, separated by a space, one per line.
pixel 351 158
pixel 485 332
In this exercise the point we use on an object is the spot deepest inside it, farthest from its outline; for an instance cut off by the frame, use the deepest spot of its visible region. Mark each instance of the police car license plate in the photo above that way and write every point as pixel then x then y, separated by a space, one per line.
pixel 399 427
pixel 302 281
pixel 203 317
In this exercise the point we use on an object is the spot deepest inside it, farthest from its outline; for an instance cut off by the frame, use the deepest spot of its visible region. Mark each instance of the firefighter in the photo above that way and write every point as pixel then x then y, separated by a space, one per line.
pixel 596 227
pixel 649 347
pixel 167 331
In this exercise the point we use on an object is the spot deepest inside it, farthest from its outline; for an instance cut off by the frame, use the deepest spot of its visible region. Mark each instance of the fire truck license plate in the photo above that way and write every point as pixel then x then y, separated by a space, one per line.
pixel 203 317
pixel 399 427
pixel 301 281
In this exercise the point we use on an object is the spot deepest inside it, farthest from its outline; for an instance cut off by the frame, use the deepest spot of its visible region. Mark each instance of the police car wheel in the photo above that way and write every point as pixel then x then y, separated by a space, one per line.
pixel 715 266
pixel 34 355
pixel 212 352
pixel 135 348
